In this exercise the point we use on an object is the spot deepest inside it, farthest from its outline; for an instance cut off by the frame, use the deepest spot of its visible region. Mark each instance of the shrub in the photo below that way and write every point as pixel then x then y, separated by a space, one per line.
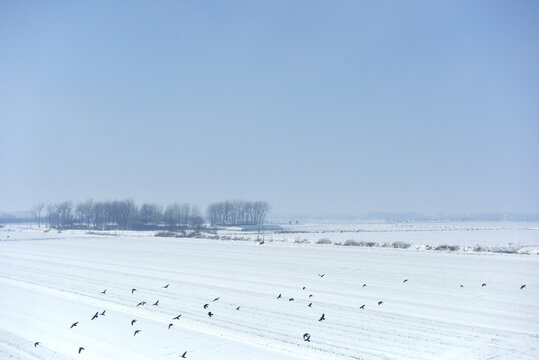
pixel 400 245
pixel 351 243
pixel 324 241
pixel 166 234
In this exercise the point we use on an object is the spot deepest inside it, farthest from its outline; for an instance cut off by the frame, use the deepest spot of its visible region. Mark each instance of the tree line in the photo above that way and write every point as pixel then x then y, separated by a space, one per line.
pixel 126 215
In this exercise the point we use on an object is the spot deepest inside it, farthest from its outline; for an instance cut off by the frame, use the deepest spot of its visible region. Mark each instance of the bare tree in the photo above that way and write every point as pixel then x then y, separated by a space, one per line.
pixel 36 211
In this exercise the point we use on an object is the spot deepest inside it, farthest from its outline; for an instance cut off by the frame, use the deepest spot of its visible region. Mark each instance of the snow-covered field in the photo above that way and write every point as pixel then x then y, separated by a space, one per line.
pixel 49 281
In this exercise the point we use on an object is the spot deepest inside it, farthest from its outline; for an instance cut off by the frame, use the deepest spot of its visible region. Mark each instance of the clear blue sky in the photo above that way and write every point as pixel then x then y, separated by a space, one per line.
pixel 318 107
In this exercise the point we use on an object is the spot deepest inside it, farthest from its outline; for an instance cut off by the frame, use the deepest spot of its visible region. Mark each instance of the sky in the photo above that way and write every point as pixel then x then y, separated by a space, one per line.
pixel 318 107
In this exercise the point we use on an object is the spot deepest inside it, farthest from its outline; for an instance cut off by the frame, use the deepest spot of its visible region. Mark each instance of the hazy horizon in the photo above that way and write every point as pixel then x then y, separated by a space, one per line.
pixel 315 107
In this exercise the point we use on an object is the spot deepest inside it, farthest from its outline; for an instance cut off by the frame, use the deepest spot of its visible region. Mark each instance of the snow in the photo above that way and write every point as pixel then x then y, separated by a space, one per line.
pixel 50 280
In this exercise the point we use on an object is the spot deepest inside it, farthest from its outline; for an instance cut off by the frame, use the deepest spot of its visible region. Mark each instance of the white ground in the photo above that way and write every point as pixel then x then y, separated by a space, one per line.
pixel 50 280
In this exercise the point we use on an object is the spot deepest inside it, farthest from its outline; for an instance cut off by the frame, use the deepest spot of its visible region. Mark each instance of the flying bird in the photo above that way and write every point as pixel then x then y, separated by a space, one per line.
pixel 166 286
pixel 278 297
pixel 291 299
pixel 380 302
pixel 216 299
pixel 303 288
pixel 177 317
pixel 133 322
pixel 36 344
pixel 74 324
pixel 104 291
pixel 362 306
pixel 156 303
pixel 364 285
pixel 307 337
pixel 133 290
pixel 321 275
pixel 461 285
pixel 483 284
pixel 261 242
pixel 322 318
pixel 95 315
pixel 310 296
pixel 405 280
pixel 206 306
pixel 238 308
pixel 522 287
pixel 103 313
pixel 184 354
pixel 169 326
pixel 136 332
pixel 210 314
pixel 142 303
pixel 80 349
pixel 310 305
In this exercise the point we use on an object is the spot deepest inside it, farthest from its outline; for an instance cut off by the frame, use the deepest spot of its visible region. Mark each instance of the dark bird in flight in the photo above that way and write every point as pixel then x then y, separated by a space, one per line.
pixel 216 299
pixel 303 288
pixel 104 291
pixel 80 349
pixel 238 308
pixel 362 306
pixel 156 303
pixel 133 322
pixel 310 296
pixel 74 324
pixel 380 302
pixel 483 284
pixel 522 287
pixel 307 337
pixel 142 303
pixel 166 286
pixel 184 354
pixel 177 317
pixel 461 285
pixel 36 344
pixel 95 315
pixel 364 285
pixel 169 326
pixel 310 305
pixel 206 306
pixel 321 275
pixel 136 332
pixel 322 318
pixel 405 280
pixel 103 313
pixel 291 299
pixel 261 242
pixel 133 290
pixel 210 314
pixel 278 297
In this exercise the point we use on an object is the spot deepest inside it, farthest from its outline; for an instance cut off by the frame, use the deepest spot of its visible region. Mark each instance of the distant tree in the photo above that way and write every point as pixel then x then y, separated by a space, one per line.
pixel 238 212
pixel 36 211
pixel 150 214
pixel 84 212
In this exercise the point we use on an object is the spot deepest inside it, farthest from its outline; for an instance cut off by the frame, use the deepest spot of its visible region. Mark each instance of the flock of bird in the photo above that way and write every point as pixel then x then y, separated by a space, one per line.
pixel 306 336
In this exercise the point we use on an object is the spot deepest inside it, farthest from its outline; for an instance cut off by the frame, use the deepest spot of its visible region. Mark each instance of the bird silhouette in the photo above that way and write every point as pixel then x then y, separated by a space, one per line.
pixel 104 291
pixel 133 322
pixel 184 354
pixel 291 299
pixel 133 290
pixel 80 349
pixel 136 332
pixel 405 280
pixel 74 324
pixel 310 305
pixel 307 337
pixel 103 313
pixel 177 317
pixel 278 297
pixel 95 315
pixel 36 343
pixel 303 288
pixel 380 302
pixel 156 303
pixel 142 303
pixel 166 286
pixel 206 306
pixel 362 306
pixel 210 314
pixel 321 275
pixel 461 285
pixel 261 242
pixel 364 285
pixel 216 299
pixel 238 308
pixel 310 296
pixel 169 326
pixel 483 285
pixel 322 318
pixel 522 287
